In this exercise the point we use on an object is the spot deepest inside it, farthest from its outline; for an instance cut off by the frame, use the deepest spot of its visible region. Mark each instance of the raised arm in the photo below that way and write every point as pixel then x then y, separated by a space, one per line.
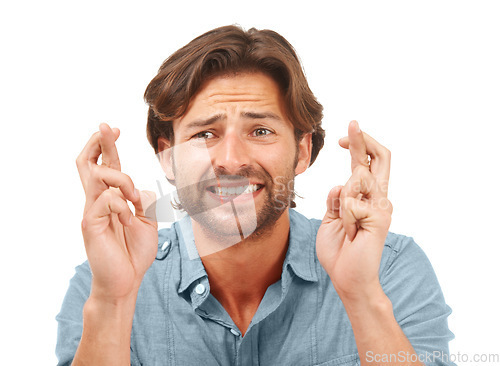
pixel 120 248
pixel 350 242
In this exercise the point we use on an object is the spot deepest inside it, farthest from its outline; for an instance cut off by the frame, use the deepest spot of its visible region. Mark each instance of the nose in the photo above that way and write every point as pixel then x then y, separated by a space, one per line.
pixel 231 153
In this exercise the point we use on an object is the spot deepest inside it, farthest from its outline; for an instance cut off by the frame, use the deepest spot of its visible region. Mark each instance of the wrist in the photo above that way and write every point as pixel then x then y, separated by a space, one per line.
pixel 100 305
pixel 107 327
pixel 115 294
pixel 108 320
pixel 367 301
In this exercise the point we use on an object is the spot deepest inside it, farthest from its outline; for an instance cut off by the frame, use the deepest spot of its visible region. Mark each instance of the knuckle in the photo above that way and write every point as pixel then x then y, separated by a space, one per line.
pixel 85 223
pixel 108 195
pixel 387 153
pixel 98 172
pixel 127 179
pixel 358 170
pixel 117 194
pixel 361 171
pixel 385 212
pixel 95 171
pixel 390 207
pixel 79 160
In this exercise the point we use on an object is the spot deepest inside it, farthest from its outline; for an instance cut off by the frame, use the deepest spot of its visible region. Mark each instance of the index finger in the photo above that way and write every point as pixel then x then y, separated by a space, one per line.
pixel 90 155
pixel 108 148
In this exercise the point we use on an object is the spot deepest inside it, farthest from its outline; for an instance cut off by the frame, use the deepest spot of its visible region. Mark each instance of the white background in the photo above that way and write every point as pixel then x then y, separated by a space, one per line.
pixel 422 77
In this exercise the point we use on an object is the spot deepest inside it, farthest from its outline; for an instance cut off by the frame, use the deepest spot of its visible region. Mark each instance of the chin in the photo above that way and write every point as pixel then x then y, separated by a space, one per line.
pixel 229 220
pixel 235 220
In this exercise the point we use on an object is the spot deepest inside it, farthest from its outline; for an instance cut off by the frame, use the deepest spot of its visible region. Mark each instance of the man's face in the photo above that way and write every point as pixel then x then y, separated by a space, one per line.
pixel 235 156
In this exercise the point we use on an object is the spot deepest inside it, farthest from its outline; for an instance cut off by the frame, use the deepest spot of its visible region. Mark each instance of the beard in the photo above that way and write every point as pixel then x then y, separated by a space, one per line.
pixel 232 221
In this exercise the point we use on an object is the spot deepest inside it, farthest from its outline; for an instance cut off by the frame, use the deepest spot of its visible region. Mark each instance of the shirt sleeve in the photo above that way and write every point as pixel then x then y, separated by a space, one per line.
pixel 409 281
pixel 70 318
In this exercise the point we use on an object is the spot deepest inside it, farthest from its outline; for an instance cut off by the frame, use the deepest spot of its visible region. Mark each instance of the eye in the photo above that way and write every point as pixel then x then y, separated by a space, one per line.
pixel 261 132
pixel 204 135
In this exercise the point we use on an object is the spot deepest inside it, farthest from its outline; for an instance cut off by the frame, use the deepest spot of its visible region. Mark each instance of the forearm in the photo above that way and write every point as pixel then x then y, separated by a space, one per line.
pixel 379 338
pixel 107 326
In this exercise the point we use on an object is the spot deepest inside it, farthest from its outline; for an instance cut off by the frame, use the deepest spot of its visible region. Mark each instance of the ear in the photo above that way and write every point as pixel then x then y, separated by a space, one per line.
pixel 165 157
pixel 304 157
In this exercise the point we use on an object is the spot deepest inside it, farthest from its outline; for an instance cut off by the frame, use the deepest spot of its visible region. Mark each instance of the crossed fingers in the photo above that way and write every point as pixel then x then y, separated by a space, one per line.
pixel 98 178
pixel 366 151
pixel 364 197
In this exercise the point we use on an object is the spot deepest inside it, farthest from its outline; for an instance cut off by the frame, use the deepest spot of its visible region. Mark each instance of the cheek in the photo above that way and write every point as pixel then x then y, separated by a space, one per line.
pixel 277 162
pixel 192 163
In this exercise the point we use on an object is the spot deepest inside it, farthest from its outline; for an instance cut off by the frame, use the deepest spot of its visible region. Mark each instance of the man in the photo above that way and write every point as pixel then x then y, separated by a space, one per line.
pixel 243 279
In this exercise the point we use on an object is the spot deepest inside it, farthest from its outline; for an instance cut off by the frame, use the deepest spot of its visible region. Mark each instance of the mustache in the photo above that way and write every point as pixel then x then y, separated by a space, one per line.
pixel 242 176
pixel 163 211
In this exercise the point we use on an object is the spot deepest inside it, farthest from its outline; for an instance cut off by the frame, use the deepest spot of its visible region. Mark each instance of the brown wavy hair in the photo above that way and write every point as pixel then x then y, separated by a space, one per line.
pixel 230 50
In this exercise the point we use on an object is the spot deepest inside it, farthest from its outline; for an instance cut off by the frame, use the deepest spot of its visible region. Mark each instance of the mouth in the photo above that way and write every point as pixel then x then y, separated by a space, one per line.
pixel 234 191
pixel 228 188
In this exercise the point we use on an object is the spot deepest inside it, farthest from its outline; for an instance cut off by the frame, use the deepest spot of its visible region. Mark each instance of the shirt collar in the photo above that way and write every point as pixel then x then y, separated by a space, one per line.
pixel 192 267
pixel 301 253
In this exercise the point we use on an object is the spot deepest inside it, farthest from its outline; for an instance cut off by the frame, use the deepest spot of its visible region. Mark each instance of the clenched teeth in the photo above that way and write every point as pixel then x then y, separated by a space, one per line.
pixel 235 191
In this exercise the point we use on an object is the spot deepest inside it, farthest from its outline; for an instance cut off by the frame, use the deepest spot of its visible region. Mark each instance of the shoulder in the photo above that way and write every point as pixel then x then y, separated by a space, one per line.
pixel 401 252
pixel 397 245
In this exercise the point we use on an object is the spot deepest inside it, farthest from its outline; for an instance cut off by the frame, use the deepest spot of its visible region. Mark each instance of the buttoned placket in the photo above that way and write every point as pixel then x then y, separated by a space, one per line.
pixel 207 306
pixel 195 280
pixel 203 303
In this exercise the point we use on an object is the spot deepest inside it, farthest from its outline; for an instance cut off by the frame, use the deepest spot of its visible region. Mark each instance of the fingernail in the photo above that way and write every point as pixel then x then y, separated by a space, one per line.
pixel 358 129
pixel 136 193
pixel 130 220
pixel 340 211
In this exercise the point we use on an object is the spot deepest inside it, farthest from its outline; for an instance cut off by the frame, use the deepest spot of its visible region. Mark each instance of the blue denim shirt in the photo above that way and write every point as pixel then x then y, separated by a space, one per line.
pixel 300 321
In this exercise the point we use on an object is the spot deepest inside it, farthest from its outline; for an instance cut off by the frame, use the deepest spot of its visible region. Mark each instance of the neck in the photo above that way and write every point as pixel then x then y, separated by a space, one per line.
pixel 240 274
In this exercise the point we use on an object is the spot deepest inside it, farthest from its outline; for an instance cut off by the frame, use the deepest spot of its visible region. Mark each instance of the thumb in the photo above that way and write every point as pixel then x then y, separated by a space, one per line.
pixel 333 204
pixel 146 206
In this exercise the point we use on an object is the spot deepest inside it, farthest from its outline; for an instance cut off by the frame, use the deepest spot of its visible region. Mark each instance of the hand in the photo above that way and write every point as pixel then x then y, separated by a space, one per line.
pixel 120 246
pixel 352 234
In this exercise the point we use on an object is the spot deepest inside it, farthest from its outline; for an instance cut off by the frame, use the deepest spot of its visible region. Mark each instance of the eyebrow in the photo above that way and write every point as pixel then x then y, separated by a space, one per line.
pixel 218 117
pixel 205 122
pixel 265 115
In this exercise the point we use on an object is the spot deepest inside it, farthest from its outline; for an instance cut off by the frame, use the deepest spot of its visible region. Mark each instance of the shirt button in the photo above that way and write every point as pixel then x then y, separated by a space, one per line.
pixel 200 289
pixel 165 245
pixel 235 332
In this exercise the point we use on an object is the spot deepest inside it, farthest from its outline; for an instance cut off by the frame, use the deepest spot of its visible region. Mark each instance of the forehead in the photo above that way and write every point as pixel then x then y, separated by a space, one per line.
pixel 253 92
